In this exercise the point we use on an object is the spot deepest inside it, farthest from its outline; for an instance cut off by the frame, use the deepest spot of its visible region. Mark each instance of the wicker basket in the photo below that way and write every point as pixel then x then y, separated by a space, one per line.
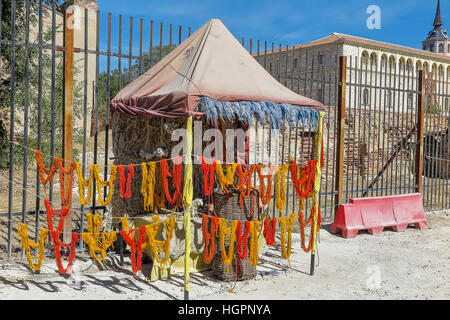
pixel 230 209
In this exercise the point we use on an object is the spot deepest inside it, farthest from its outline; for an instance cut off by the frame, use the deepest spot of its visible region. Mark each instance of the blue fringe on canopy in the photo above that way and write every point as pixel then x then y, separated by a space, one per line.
pixel 261 112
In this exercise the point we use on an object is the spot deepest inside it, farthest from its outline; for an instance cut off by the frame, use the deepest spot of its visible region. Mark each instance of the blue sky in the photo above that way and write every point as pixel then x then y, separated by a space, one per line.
pixel 403 22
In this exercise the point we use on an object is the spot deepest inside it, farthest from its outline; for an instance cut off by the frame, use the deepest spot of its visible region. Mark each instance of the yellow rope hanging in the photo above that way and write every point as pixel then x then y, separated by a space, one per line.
pixel 227 180
pixel 109 183
pixel 158 246
pixel 125 226
pixel 92 237
pixel 148 184
pixel 27 244
pixel 82 183
pixel 227 234
pixel 289 223
pixel 280 199
pixel 254 246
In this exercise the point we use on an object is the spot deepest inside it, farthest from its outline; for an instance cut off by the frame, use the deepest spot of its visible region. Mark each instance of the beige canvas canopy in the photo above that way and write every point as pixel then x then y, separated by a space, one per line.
pixel 210 63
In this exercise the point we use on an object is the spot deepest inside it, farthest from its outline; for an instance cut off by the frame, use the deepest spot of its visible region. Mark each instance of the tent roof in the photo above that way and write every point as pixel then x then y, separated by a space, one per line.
pixel 210 63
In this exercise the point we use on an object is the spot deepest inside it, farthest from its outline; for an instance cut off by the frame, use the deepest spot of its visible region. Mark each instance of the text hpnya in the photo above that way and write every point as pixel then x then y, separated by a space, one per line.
pixel 230 309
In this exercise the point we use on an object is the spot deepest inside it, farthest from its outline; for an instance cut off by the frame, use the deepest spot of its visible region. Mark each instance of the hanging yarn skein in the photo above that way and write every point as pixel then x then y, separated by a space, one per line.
pixel 241 240
pixel 280 190
pixel 65 199
pixel 27 244
pixel 176 175
pixel 158 246
pixel 208 184
pixel 109 183
pixel 208 237
pixel 135 246
pixel 287 225
pixel 228 179
pixel 57 246
pixel 94 223
pixel 227 234
pixel 303 225
pixel 303 178
pixel 55 235
pixel 42 169
pixel 125 183
pixel 148 184
pixel 82 183
pixel 270 227
pixel 254 247
pixel 265 193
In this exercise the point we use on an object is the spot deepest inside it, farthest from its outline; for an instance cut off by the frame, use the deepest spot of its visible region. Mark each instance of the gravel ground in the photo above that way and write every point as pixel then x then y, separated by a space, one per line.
pixel 409 265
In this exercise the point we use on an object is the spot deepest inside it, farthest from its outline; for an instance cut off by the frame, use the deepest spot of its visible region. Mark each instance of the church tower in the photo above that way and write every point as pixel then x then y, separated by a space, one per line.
pixel 437 40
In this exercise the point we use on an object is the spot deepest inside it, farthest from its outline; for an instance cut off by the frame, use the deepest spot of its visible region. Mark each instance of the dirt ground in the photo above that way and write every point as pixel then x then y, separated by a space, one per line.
pixel 409 265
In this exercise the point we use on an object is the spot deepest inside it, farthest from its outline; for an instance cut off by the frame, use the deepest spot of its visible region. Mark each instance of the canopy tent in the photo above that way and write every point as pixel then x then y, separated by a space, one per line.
pixel 211 73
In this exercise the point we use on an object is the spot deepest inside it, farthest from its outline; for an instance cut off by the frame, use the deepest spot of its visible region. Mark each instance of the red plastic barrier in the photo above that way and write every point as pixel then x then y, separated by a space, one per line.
pixel 375 214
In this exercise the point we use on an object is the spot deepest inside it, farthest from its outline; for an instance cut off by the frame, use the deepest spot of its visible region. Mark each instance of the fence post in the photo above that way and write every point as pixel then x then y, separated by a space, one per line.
pixel 68 112
pixel 340 131
pixel 420 129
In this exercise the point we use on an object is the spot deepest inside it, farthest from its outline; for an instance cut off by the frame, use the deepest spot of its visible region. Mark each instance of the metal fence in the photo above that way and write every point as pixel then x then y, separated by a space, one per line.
pixel 380 136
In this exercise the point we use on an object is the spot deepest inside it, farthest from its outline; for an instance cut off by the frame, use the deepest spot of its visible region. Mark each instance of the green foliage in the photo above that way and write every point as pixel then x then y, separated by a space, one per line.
pixel 26 75
pixel 119 79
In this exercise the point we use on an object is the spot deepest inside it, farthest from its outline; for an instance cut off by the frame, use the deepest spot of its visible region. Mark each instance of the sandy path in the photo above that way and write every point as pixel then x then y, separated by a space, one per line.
pixel 409 265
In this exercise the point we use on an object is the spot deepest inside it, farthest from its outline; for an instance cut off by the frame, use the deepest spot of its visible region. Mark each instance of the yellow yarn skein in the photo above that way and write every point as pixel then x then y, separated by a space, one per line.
pixel 82 183
pixel 254 247
pixel 92 237
pixel 27 244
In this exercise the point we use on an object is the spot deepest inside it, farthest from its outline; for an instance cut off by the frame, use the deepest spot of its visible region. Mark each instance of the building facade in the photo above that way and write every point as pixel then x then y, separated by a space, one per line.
pixel 311 69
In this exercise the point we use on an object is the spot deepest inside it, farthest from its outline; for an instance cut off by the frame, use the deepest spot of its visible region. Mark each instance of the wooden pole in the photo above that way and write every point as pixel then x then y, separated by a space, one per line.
pixel 188 196
pixel 68 112
pixel 340 131
pixel 420 129
pixel 316 196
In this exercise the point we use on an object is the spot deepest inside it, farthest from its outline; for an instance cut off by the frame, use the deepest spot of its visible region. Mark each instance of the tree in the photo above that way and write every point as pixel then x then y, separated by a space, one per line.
pixel 21 94
pixel 125 77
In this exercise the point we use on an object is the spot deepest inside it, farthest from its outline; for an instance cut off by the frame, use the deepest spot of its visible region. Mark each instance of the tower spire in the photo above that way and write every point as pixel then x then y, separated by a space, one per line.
pixel 438 19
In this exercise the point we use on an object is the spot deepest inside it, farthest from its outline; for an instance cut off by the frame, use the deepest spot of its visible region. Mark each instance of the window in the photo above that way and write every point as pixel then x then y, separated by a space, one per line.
pixel 365 97
pixel 320 58
pixel 431 47
pixel 270 67
pixel 441 48
pixel 295 63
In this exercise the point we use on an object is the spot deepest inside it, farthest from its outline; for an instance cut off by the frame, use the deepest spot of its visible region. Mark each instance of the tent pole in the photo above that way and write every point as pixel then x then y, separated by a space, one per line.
pixel 317 188
pixel 188 195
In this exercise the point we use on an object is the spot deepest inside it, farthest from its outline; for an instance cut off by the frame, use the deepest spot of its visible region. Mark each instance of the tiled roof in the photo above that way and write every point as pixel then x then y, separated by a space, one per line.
pixel 338 37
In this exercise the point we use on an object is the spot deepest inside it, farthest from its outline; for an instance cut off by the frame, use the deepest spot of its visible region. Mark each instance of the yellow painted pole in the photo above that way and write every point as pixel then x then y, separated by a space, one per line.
pixel 317 188
pixel 187 195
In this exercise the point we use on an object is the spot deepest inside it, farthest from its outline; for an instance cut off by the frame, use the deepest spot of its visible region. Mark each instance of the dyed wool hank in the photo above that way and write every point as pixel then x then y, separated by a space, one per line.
pixel 208 237
pixel 27 244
